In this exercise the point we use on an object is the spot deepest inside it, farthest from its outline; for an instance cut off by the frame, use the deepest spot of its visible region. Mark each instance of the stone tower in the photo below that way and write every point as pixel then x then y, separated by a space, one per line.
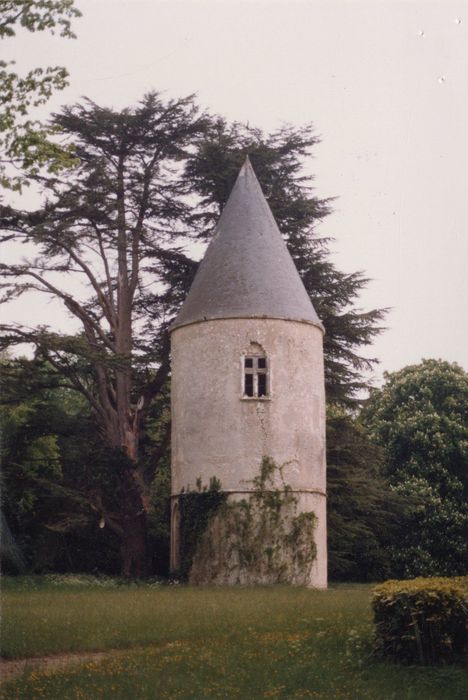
pixel 247 372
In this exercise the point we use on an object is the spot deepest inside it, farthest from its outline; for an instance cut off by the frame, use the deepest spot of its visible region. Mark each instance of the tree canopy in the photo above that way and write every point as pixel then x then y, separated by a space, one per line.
pixel 363 512
pixel 420 418
pixel 102 223
pixel 25 143
pixel 57 478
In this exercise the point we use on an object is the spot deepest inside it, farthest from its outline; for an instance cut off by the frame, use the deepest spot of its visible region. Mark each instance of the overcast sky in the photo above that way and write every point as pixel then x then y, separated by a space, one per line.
pixel 386 86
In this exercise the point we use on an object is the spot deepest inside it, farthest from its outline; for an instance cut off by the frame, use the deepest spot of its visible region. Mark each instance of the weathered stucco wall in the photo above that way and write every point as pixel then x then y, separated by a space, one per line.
pixel 218 433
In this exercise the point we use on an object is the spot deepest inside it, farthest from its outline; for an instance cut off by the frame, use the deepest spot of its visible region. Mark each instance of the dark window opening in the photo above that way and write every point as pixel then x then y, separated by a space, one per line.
pixel 262 388
pixel 249 385
pixel 256 383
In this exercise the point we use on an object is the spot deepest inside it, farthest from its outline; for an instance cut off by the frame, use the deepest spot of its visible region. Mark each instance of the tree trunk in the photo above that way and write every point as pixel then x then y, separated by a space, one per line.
pixel 133 545
pixel 131 495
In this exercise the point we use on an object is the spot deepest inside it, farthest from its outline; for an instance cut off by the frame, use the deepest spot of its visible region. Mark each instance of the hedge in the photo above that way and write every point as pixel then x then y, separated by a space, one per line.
pixel 422 621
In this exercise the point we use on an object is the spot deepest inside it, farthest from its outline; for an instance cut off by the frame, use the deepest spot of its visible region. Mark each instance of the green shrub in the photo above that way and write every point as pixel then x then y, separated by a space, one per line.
pixel 423 621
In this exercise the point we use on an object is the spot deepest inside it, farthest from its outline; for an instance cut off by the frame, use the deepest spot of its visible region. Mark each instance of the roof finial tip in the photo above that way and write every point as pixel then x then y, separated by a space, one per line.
pixel 246 165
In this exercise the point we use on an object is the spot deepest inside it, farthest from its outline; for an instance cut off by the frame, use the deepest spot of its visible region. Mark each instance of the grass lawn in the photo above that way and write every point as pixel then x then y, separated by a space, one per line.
pixel 182 642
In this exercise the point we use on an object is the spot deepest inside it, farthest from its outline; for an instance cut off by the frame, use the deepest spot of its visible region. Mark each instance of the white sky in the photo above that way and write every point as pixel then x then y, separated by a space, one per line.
pixel 386 86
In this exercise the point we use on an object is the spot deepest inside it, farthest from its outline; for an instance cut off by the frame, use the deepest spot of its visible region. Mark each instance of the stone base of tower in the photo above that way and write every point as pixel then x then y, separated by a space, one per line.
pixel 249 544
pixel 317 503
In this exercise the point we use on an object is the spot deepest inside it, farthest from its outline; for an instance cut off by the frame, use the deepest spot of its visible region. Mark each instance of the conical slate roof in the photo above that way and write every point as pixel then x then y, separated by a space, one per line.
pixel 247 271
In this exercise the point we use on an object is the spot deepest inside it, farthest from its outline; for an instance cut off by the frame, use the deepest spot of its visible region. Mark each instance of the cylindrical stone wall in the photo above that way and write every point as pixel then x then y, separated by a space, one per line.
pixel 216 432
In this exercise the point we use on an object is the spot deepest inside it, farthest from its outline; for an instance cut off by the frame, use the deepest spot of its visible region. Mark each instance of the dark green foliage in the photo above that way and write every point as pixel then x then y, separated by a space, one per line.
pixel 363 513
pixel 422 621
pixel 420 416
pixel 420 420
pixel 60 482
pixel 159 518
pixel 11 555
pixel 104 221
pixel 57 479
pixel 196 509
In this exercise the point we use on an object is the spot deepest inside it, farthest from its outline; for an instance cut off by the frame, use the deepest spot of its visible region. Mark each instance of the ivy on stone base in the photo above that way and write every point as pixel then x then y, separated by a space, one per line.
pixel 196 510
pixel 258 539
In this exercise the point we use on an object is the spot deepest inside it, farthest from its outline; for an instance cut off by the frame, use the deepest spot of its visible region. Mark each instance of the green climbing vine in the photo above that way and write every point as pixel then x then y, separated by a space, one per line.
pixel 196 509
pixel 258 539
